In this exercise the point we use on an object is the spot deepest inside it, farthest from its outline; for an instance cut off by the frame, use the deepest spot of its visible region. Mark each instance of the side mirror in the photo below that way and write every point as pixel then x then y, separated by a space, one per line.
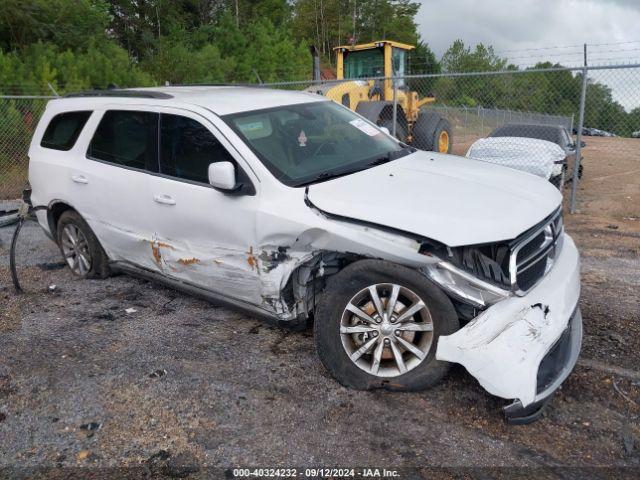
pixel 385 130
pixel 222 175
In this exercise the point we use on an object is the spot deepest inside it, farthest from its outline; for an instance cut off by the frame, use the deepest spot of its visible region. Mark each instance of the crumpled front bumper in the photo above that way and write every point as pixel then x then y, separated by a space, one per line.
pixel 504 346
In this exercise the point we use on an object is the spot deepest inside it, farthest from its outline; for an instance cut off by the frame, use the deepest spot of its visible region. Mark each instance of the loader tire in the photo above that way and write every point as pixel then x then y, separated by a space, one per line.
pixel 432 132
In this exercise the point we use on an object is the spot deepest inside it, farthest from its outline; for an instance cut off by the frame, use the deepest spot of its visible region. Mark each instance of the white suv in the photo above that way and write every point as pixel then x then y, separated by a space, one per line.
pixel 293 207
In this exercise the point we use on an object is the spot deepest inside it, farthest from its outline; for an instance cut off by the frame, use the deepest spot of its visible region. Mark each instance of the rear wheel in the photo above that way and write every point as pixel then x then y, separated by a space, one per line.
pixel 432 132
pixel 80 247
pixel 377 326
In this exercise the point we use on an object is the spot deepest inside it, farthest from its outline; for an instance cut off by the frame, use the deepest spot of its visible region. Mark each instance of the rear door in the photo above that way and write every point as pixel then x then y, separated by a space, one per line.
pixel 204 236
pixel 122 154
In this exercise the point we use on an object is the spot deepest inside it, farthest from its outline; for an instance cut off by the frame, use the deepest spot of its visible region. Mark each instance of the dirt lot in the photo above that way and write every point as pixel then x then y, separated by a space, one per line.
pixel 180 385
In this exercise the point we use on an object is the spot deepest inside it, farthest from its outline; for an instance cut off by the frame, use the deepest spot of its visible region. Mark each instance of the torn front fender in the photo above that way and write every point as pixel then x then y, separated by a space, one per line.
pixel 503 347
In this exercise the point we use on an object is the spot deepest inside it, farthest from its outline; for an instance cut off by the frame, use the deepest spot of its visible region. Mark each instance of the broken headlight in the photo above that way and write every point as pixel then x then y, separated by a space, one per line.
pixel 473 275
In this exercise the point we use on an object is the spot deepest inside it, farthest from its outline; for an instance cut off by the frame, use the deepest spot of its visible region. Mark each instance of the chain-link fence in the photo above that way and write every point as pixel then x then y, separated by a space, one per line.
pixel 19 117
pixel 532 120
pixel 535 120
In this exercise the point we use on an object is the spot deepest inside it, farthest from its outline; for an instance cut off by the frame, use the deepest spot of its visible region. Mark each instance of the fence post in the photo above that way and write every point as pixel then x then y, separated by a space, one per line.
pixel 482 122
pixel 576 163
pixel 395 106
pixel 466 122
pixel 572 117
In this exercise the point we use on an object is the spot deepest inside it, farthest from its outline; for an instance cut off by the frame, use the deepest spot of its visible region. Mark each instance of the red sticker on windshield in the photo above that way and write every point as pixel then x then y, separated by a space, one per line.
pixel 302 139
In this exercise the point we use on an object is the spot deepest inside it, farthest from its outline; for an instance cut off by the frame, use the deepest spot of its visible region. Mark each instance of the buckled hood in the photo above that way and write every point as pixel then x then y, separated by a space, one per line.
pixel 450 199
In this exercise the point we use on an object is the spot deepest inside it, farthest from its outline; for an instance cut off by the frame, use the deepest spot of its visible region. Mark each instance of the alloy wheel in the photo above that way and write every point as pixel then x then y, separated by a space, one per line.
pixel 75 249
pixel 386 330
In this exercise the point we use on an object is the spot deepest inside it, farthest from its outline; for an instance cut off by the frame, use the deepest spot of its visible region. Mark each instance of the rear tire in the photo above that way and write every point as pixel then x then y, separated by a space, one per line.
pixel 429 130
pixel 334 321
pixel 80 248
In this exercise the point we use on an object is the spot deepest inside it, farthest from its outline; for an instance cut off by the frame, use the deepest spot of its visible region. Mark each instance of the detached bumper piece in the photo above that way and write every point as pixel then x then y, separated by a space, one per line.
pixel 554 368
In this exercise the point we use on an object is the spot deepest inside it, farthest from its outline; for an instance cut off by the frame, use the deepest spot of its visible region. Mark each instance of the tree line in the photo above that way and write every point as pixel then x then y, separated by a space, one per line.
pixel 80 44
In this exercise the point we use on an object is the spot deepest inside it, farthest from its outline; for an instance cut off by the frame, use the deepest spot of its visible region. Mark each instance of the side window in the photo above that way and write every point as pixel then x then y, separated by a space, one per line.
pixel 187 148
pixel 64 129
pixel 128 138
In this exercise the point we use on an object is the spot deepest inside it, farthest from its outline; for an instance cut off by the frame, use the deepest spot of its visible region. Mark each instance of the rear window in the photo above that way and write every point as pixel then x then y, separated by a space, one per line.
pixel 64 129
pixel 128 138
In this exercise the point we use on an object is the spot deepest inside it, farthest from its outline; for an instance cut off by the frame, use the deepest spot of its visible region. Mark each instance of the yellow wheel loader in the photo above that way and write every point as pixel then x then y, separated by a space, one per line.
pixel 374 99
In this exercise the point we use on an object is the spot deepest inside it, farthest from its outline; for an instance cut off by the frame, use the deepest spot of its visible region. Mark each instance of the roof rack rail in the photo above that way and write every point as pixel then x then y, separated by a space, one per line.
pixel 213 85
pixel 120 93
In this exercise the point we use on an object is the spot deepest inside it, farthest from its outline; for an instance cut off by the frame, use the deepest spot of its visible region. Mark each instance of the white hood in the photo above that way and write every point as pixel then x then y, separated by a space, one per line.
pixel 450 199
pixel 527 154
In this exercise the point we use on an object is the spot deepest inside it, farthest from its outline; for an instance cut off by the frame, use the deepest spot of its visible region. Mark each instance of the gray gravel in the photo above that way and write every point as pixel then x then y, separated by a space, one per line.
pixel 238 392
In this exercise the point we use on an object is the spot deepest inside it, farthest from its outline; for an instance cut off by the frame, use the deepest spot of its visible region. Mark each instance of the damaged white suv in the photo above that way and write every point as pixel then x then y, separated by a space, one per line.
pixel 292 207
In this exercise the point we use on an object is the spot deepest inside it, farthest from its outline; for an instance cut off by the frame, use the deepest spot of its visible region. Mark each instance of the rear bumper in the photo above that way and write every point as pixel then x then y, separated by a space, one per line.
pixel 510 345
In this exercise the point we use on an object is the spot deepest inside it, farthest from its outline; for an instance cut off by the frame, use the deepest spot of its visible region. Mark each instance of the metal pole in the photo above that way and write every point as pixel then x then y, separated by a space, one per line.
pixel 395 107
pixel 576 163
pixel 466 122
pixel 52 89
pixel 572 118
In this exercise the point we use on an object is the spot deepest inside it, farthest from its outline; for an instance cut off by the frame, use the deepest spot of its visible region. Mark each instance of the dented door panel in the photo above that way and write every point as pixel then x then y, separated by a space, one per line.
pixel 206 238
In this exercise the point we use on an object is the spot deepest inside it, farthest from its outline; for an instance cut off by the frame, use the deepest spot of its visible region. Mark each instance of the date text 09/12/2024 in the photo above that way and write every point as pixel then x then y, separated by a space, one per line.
pixel 315 473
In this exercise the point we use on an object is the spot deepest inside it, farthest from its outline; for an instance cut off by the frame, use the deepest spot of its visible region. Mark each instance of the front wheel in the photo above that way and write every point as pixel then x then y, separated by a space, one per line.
pixel 377 326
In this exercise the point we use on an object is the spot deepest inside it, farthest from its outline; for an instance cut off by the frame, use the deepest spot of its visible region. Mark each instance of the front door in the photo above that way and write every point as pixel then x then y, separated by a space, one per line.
pixel 201 235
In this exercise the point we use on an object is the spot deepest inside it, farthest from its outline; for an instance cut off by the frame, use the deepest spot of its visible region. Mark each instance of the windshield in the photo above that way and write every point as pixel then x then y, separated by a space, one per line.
pixel 364 63
pixel 305 143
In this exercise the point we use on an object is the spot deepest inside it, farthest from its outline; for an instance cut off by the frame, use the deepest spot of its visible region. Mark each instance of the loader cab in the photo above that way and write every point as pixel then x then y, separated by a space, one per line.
pixel 383 58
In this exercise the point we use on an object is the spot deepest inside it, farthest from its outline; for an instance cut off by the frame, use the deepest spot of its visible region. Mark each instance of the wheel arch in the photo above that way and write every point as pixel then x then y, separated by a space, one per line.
pixel 54 211
pixel 307 281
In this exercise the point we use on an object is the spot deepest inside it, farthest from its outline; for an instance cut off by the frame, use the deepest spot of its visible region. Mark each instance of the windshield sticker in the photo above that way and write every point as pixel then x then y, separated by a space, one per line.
pixel 302 139
pixel 365 127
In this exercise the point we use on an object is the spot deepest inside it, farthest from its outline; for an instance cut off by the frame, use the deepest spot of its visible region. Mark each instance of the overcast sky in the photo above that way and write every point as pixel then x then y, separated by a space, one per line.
pixel 528 31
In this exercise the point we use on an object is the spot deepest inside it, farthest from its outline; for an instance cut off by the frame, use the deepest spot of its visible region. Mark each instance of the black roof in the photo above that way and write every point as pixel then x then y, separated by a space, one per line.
pixel 551 133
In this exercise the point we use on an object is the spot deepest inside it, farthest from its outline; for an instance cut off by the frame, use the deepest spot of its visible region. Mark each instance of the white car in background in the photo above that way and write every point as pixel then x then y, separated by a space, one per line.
pixel 542 158
pixel 292 207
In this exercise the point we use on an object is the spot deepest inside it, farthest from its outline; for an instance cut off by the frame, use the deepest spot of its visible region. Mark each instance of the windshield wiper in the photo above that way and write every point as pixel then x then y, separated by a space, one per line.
pixel 390 156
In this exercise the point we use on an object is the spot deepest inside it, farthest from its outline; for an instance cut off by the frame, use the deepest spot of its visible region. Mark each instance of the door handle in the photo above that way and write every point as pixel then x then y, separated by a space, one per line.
pixel 79 179
pixel 164 199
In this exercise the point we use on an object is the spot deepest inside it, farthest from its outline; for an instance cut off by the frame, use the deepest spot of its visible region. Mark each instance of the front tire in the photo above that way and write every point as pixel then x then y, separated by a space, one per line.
pixel 80 248
pixel 377 326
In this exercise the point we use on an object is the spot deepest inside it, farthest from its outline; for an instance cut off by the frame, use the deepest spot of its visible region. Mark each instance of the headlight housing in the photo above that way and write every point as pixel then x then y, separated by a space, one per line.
pixel 464 286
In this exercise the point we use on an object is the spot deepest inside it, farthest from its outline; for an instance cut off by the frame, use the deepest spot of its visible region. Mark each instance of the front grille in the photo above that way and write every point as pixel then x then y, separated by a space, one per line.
pixel 533 254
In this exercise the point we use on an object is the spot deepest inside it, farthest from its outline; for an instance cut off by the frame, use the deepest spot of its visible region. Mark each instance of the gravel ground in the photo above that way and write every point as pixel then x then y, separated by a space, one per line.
pixel 181 386
pixel 180 378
